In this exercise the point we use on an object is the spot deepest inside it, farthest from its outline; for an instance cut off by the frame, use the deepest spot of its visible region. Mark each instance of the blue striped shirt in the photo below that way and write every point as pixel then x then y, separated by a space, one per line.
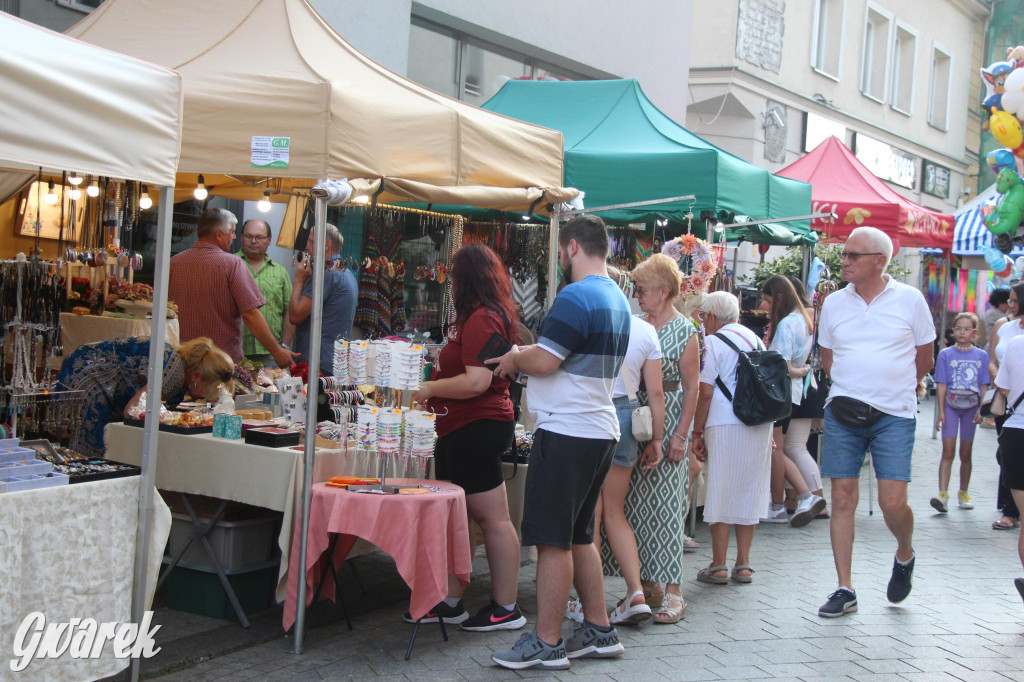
pixel 588 329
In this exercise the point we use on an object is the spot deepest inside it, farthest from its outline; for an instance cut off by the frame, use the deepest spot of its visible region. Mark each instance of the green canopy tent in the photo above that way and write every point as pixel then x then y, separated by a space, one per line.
pixel 620 148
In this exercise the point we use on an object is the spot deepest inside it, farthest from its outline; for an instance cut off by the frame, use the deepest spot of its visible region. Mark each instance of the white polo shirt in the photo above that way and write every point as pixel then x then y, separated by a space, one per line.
pixel 874 347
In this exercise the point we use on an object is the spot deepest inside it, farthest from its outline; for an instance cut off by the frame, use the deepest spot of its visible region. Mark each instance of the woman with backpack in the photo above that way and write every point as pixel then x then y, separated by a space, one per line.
pixel 737 457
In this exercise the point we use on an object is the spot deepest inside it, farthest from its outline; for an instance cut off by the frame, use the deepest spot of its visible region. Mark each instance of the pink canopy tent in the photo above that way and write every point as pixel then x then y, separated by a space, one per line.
pixel 842 185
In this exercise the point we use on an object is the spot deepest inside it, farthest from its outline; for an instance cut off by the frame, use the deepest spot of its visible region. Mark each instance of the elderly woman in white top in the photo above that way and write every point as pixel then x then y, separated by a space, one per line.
pixel 737 457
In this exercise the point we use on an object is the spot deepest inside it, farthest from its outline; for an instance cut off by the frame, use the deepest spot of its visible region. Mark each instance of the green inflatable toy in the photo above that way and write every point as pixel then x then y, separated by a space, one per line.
pixel 1008 215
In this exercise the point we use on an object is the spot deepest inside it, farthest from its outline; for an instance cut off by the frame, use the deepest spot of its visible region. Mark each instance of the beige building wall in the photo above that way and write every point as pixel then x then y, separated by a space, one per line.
pixel 749 57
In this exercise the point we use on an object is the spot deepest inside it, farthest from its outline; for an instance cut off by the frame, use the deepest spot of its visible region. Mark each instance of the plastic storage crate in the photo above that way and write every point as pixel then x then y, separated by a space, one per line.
pixel 24 468
pixel 235 543
pixel 196 589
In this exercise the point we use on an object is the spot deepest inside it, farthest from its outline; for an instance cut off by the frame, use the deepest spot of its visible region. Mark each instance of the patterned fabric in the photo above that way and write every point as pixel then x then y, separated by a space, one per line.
pixel 110 372
pixel 276 286
pixel 656 504
pixel 212 289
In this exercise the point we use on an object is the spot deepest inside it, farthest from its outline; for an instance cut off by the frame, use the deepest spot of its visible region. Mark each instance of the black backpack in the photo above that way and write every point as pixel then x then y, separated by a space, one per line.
pixel 763 384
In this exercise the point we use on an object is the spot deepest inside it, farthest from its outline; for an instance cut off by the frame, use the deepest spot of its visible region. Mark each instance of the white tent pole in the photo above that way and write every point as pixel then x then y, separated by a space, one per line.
pixel 553 257
pixel 633 204
pixel 154 389
pixel 312 388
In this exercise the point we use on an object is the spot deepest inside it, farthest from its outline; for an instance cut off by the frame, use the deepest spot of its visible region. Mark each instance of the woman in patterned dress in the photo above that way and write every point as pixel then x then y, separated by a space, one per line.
pixel 111 372
pixel 657 500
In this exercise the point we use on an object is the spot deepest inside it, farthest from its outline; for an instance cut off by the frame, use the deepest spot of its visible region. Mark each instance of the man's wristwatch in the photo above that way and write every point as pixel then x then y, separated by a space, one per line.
pixel 286 346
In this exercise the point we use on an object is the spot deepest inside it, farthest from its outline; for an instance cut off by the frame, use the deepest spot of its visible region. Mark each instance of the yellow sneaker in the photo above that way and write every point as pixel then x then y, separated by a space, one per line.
pixel 941 502
pixel 965 500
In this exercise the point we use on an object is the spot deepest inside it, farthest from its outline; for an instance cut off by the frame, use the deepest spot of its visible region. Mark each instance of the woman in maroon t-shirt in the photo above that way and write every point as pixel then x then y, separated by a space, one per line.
pixel 475 425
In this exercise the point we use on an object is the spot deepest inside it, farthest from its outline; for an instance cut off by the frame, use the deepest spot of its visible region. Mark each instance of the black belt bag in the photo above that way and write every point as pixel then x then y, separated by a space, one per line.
pixel 853 412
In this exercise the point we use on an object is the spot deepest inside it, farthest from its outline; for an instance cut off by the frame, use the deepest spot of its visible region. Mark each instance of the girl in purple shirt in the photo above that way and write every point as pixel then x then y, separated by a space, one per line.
pixel 961 373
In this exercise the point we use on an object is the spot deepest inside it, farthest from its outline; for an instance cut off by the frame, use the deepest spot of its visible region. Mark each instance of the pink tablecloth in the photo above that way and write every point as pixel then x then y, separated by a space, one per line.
pixel 426 534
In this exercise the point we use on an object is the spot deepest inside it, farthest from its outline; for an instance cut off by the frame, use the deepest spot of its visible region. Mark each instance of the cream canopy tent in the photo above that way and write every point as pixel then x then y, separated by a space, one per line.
pixel 259 70
pixel 276 69
pixel 75 107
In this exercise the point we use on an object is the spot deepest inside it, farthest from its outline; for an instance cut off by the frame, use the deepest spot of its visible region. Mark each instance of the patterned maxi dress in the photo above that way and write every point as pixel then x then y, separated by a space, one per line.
pixel 110 372
pixel 657 500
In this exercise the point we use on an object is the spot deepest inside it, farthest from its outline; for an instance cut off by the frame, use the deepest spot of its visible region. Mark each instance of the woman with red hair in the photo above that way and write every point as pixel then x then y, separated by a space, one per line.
pixel 475 425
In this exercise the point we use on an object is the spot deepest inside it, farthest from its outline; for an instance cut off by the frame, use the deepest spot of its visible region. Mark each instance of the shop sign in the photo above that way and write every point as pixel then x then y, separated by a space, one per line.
pixel 887 162
pixel 935 179
pixel 269 152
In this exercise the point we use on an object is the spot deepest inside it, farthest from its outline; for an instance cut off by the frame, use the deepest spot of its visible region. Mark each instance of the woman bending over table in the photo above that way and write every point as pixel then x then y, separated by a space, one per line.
pixel 475 426
pixel 111 373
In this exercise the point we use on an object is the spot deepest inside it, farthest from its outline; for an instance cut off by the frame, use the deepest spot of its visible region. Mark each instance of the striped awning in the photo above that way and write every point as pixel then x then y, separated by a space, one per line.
pixel 970 236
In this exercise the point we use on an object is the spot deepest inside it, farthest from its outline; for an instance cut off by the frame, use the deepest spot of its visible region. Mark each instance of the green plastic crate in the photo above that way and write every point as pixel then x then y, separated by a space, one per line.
pixel 197 589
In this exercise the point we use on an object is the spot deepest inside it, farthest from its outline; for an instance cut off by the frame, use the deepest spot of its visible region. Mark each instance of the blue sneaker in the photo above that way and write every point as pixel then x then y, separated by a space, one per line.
pixel 899 583
pixel 839 603
pixel 529 651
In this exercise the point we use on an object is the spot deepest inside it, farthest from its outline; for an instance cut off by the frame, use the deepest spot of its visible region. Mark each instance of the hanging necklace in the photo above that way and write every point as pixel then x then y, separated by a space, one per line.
pixel 965 348
pixel 658 324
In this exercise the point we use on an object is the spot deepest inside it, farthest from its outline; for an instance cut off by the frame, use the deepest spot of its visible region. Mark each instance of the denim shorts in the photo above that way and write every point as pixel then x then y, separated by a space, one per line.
pixel 627 451
pixel 890 439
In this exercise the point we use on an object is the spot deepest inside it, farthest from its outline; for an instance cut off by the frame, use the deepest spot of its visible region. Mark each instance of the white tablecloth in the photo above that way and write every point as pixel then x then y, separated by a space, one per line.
pixel 252 474
pixel 78 330
pixel 69 552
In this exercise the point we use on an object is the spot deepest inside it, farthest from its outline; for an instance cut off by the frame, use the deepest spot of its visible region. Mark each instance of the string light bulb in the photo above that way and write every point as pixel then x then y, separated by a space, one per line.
pixel 361 199
pixel 51 194
pixel 75 179
pixel 144 200
pixel 93 189
pixel 200 192
pixel 75 194
pixel 263 205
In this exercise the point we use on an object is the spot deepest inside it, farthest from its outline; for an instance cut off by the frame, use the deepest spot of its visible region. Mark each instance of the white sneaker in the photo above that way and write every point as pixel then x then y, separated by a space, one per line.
pixel 808 508
pixel 779 516
pixel 574 611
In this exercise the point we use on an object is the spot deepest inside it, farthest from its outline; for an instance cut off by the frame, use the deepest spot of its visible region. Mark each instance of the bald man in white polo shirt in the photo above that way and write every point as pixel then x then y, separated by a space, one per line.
pixel 876 340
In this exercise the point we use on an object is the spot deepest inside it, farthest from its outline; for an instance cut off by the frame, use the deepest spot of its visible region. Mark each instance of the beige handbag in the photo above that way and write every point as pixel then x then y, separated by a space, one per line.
pixel 642 419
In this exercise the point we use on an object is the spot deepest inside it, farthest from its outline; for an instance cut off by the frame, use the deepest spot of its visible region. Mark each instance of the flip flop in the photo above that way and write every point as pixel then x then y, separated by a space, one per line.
pixel 742 578
pixel 1002 524
pixel 707 575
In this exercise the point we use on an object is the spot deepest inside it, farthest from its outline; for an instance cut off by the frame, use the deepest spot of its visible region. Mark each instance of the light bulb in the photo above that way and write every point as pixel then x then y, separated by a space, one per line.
pixel 75 179
pixel 361 199
pixel 200 192
pixel 51 194
pixel 144 200
pixel 719 227
pixel 93 189
pixel 263 205
pixel 75 194
pixel 526 218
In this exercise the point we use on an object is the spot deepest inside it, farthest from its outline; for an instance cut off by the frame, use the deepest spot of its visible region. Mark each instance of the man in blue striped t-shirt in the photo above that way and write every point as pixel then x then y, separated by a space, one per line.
pixel 572 370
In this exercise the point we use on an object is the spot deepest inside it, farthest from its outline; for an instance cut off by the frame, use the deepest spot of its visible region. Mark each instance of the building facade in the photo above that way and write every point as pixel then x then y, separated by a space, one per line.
pixel 895 80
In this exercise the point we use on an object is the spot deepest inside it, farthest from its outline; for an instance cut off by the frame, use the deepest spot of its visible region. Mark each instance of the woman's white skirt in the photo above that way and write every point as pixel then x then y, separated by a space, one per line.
pixel 738 470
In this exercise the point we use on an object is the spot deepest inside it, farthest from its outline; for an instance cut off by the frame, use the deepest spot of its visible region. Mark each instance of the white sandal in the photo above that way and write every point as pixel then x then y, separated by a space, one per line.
pixel 628 613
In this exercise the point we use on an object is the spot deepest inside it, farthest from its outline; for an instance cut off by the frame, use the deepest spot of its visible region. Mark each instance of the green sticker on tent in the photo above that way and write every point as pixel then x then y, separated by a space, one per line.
pixel 269 152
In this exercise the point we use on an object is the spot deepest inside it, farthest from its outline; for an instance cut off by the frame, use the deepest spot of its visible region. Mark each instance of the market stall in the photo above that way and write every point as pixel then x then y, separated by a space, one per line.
pixel 970 236
pixel 71 107
pixel 843 186
pixel 275 100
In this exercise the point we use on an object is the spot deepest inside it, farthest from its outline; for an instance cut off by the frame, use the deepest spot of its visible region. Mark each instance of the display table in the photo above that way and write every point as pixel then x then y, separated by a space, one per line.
pixel 69 552
pixel 426 534
pixel 78 330
pixel 233 470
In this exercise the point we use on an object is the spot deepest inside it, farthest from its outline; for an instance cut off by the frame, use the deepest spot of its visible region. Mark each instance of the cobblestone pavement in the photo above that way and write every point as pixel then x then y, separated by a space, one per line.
pixel 963 620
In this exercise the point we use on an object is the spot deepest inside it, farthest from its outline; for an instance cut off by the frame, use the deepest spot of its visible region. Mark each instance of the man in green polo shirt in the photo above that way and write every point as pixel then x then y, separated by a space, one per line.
pixel 276 285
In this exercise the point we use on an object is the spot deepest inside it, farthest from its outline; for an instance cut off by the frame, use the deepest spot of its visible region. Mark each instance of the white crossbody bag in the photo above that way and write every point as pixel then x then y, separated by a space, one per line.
pixel 642 419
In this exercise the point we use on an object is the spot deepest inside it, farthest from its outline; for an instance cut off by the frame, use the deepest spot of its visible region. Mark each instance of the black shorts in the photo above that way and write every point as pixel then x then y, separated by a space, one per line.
pixel 563 484
pixel 470 457
pixel 1011 458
